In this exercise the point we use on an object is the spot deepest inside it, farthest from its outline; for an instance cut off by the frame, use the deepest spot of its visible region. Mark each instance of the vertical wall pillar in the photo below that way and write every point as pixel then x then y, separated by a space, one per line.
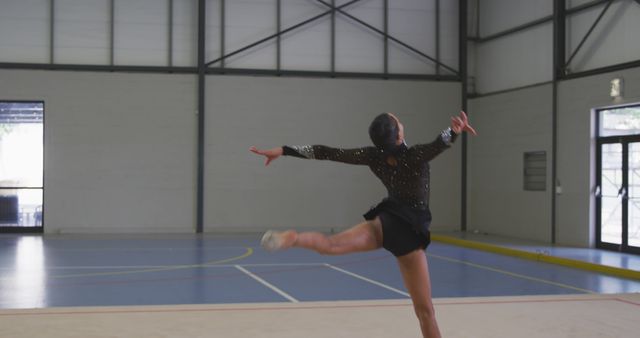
pixel 462 49
pixel 201 111
pixel 558 72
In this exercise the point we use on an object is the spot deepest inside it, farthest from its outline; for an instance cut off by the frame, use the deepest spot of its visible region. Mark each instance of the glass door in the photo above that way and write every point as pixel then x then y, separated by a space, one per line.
pixel 633 199
pixel 21 166
pixel 618 194
pixel 618 179
pixel 608 193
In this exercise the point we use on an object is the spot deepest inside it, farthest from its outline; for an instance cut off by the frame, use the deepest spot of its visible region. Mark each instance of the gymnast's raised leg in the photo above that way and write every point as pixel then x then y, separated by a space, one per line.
pixel 365 236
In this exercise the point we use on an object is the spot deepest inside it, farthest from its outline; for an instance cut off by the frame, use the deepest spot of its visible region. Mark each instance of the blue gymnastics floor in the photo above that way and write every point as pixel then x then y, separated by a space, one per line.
pixel 57 271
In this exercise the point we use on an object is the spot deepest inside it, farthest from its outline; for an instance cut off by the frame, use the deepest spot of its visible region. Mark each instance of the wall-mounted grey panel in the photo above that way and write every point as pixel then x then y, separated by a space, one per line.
pixel 535 171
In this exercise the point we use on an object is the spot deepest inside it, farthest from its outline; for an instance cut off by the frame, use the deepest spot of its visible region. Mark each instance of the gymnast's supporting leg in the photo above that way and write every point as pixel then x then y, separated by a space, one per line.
pixel 365 236
pixel 415 272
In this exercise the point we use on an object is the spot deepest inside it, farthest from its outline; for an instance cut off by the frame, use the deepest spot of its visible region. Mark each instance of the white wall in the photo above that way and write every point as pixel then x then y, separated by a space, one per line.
pixel 508 125
pixel 119 149
pixel 242 195
pixel 576 149
pixel 517 60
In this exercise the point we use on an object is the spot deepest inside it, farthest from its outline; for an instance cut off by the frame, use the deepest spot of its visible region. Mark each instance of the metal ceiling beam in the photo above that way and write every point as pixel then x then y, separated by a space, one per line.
pixel 304 73
pixel 99 68
pixel 273 36
pixel 602 70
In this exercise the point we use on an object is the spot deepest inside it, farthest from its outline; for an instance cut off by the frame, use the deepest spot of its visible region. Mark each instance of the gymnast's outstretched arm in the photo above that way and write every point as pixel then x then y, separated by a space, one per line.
pixel 459 124
pixel 358 156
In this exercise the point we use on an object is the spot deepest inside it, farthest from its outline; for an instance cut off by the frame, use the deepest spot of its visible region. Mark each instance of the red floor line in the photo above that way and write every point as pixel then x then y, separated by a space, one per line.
pixel 627 301
pixel 274 308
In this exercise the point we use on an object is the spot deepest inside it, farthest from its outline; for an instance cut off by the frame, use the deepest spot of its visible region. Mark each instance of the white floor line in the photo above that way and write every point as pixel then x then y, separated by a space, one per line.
pixel 368 280
pixel 267 284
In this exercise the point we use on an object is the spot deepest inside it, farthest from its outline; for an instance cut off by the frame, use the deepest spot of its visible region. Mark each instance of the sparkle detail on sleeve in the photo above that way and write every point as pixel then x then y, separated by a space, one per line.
pixel 306 151
pixel 446 136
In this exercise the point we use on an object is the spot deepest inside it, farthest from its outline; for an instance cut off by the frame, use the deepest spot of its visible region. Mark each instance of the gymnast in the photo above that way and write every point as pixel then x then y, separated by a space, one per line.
pixel 400 223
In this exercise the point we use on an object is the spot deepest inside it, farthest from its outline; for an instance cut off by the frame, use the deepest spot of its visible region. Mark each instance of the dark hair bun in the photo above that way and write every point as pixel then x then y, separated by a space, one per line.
pixel 383 132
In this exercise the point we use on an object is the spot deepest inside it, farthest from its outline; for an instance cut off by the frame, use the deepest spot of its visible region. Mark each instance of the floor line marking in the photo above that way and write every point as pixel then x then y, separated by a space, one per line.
pixel 267 284
pixel 513 274
pixel 248 253
pixel 179 266
pixel 368 280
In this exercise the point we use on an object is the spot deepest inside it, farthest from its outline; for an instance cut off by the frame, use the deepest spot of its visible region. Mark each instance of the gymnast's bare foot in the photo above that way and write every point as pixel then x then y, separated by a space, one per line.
pixel 278 240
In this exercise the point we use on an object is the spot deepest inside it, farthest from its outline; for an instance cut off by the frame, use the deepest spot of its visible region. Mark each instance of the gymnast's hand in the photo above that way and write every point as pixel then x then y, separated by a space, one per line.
pixel 270 154
pixel 461 124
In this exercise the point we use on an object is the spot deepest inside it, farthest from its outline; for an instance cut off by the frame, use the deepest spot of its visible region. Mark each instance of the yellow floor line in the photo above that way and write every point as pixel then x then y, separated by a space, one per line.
pixel 512 274
pixel 568 262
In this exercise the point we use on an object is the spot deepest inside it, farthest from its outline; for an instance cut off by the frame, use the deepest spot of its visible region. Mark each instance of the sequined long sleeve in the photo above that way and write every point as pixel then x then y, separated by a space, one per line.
pixel 427 152
pixel 360 156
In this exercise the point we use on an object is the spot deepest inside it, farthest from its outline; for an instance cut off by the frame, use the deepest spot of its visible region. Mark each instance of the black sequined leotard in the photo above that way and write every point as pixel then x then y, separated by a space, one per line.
pixel 407 182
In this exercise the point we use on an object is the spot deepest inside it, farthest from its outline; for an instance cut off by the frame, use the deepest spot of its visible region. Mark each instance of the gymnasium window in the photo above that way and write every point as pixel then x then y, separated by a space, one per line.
pixel 21 164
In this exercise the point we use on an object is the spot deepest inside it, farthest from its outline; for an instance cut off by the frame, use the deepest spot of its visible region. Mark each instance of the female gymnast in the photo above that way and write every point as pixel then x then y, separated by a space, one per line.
pixel 400 223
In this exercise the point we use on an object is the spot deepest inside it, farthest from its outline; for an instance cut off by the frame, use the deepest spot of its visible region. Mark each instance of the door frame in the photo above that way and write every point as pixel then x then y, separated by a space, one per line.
pixel 624 140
